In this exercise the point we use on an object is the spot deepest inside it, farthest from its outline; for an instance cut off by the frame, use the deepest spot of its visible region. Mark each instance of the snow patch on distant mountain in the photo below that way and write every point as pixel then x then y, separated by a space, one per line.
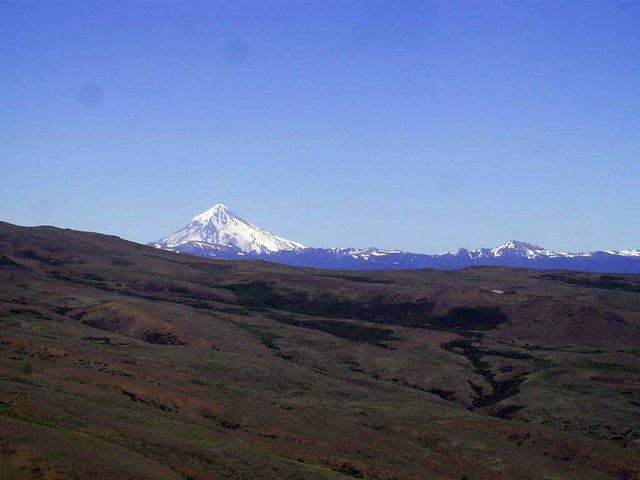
pixel 624 253
pixel 512 248
pixel 220 226
pixel 517 249
pixel 363 252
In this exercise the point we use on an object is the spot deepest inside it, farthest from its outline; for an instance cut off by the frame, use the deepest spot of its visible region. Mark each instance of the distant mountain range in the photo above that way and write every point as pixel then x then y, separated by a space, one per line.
pixel 219 233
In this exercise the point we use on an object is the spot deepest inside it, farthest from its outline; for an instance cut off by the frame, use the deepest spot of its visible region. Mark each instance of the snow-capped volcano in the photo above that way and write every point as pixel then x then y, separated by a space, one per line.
pixel 220 226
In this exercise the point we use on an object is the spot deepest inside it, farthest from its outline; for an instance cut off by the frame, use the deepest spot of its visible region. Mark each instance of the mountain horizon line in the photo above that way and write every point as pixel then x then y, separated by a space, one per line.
pixel 221 210
pixel 219 233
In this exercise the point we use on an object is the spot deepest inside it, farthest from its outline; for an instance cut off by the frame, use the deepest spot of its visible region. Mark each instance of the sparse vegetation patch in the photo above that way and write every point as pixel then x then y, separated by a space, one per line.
pixel 343 329
pixel 609 282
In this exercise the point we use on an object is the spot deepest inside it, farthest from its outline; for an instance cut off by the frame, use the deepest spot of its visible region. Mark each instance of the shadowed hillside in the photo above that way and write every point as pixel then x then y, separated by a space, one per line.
pixel 118 360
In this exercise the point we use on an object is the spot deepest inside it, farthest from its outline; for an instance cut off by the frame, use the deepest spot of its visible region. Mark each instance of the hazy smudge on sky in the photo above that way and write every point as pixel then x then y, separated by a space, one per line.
pixel 236 51
pixel 544 148
pixel 449 182
pixel 42 211
pixel 363 34
pixel 90 95
pixel 392 24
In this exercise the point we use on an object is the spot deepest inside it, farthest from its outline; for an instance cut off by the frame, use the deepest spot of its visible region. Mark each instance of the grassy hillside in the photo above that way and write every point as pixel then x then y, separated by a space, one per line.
pixel 121 361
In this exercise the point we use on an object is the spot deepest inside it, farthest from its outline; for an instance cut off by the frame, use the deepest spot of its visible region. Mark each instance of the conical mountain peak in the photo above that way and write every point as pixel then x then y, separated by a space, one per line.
pixel 517 248
pixel 518 245
pixel 216 212
pixel 220 226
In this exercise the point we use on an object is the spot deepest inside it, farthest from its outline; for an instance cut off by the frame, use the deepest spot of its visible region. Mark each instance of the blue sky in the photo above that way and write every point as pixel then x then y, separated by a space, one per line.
pixel 412 125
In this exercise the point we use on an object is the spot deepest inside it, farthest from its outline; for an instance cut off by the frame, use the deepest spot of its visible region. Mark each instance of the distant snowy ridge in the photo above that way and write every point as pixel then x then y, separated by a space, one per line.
pixel 220 226
pixel 515 248
pixel 625 253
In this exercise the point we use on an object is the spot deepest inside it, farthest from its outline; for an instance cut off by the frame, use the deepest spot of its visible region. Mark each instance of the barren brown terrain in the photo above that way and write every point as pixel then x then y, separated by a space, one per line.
pixel 121 361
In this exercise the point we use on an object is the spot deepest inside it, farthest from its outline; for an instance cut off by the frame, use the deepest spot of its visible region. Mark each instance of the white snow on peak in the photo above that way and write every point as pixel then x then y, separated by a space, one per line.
pixel 219 226
pixel 512 248
pixel 376 252
pixel 218 210
pixel 364 252
pixel 519 248
pixel 624 253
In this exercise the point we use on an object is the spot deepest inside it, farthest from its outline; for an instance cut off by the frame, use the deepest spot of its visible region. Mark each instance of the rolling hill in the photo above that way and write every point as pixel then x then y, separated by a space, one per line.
pixel 119 360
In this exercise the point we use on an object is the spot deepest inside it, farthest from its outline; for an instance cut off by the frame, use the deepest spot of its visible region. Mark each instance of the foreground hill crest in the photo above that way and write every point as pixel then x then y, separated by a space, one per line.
pixel 219 233
pixel 118 360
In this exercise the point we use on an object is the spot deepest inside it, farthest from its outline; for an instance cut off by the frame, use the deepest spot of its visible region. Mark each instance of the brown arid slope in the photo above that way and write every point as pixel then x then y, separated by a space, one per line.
pixel 121 361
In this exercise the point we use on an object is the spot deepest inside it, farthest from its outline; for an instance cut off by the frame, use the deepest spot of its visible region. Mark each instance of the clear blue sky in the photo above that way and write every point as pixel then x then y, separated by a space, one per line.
pixel 412 125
